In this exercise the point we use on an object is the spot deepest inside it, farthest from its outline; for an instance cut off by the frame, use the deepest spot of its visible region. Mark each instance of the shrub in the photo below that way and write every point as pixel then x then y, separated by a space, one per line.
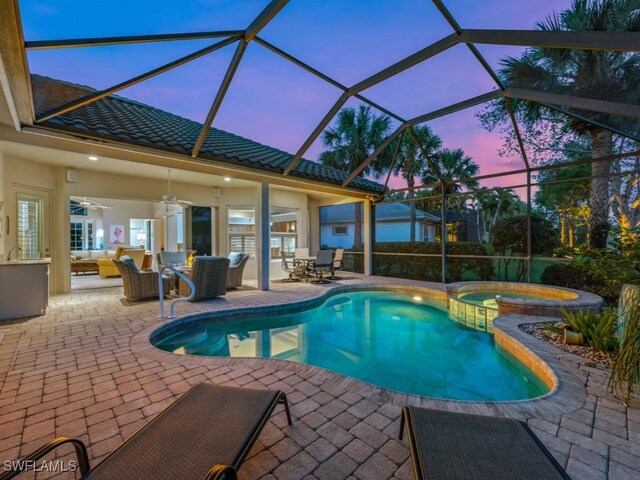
pixel 599 330
pixel 509 238
pixel 430 267
pixel 625 373
pixel 568 275
pixel 602 272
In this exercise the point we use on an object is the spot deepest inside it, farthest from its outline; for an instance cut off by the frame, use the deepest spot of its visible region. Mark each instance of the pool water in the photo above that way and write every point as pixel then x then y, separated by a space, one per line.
pixel 392 340
pixel 488 299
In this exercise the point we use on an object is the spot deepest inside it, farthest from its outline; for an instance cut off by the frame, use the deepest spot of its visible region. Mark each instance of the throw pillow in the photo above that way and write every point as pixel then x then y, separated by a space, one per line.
pixel 235 258
pixel 129 261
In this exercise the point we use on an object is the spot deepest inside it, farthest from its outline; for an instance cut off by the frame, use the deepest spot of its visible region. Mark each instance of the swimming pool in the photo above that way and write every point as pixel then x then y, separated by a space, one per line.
pixel 392 340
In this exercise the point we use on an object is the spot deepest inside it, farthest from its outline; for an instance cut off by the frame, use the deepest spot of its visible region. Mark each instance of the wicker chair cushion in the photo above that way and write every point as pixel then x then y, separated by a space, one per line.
pixel 129 261
pixel 235 258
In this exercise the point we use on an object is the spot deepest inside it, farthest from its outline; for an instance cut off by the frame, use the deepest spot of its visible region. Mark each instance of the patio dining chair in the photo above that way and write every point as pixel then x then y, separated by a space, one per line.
pixel 467 447
pixel 295 271
pixel 205 434
pixel 322 265
pixel 337 263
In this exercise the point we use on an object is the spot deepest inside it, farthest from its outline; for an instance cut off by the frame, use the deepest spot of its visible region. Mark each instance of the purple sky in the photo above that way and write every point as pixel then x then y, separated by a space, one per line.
pixel 271 100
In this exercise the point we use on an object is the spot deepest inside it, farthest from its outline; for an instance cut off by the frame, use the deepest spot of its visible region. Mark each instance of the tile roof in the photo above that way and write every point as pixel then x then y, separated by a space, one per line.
pixel 124 120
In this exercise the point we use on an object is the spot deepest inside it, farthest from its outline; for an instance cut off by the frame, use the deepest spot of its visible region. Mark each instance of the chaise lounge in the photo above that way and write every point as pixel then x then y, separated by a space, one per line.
pixel 205 434
pixel 460 446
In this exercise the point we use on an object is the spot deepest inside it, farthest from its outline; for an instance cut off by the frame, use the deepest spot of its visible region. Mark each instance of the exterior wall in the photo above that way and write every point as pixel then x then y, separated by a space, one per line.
pixel 385 232
pixel 337 241
pixel 313 207
pixel 398 231
pixel 3 208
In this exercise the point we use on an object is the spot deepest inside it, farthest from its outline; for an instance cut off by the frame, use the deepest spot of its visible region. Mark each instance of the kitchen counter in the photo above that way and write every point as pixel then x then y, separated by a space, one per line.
pixel 35 261
pixel 24 288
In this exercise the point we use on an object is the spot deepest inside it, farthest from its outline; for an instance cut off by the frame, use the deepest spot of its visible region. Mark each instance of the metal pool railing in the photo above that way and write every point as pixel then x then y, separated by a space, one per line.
pixel 172 306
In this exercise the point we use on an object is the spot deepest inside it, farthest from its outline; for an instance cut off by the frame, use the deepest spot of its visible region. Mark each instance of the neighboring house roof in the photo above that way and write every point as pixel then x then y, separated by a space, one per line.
pixel 398 212
pixel 123 120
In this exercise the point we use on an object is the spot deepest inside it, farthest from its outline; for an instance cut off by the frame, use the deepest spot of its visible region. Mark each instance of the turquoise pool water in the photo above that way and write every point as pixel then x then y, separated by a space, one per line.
pixel 392 340
pixel 488 299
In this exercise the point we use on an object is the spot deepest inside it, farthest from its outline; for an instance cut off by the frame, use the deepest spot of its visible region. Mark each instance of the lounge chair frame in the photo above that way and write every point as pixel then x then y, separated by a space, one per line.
pixel 407 421
pixel 217 471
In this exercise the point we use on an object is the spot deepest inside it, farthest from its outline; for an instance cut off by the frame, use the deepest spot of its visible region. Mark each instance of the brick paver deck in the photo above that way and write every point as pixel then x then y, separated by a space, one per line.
pixel 74 372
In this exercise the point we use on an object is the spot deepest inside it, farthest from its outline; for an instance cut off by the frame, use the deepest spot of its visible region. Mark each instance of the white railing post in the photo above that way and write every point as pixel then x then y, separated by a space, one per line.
pixel 172 307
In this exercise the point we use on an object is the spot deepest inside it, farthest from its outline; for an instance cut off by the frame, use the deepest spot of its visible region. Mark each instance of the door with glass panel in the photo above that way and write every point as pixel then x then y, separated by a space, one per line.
pixel 31 226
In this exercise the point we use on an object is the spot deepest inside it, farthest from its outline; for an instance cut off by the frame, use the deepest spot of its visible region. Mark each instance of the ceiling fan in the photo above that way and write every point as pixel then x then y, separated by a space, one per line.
pixel 90 204
pixel 170 199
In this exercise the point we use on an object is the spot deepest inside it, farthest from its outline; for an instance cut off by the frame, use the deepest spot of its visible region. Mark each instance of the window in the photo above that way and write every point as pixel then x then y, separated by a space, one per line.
pixel 340 231
pixel 29 226
pixel 242 228
pixel 82 235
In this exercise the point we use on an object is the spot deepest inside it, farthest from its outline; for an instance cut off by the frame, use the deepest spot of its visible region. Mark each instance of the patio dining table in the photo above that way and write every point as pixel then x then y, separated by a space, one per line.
pixel 308 262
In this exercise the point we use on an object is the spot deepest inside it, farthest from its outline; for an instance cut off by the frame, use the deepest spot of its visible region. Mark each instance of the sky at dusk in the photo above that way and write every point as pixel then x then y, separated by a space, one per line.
pixel 271 100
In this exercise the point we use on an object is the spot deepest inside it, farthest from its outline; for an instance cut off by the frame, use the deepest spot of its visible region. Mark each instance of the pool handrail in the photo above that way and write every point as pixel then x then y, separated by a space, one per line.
pixel 172 306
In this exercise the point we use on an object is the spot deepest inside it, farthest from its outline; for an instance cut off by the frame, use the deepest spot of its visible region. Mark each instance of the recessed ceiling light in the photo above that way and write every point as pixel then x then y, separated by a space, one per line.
pixel 227 179
pixel 93 158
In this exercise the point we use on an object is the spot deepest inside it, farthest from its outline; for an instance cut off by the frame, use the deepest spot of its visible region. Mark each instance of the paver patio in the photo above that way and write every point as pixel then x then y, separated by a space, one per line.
pixel 74 372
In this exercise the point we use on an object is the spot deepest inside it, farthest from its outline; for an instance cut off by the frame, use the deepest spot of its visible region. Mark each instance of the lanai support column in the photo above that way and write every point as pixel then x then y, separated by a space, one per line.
pixel 263 234
pixel 369 223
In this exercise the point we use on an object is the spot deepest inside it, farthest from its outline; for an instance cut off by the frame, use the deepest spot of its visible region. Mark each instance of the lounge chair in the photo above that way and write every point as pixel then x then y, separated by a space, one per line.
pixel 460 446
pixel 205 434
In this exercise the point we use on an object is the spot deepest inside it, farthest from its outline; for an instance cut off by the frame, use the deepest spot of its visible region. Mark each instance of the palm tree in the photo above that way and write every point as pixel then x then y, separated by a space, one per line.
pixel 604 75
pixel 355 135
pixel 411 163
pixel 493 204
pixel 452 165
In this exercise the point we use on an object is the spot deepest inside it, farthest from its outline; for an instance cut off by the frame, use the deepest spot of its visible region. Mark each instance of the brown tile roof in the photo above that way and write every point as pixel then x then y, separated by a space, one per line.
pixel 123 120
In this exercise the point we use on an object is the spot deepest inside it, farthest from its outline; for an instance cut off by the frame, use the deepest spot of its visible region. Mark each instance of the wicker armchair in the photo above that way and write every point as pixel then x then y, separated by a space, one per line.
pixel 236 268
pixel 138 284
pixel 209 275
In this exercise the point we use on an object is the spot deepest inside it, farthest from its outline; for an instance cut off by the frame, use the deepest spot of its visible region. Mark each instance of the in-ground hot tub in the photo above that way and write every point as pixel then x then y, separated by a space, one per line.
pixel 477 304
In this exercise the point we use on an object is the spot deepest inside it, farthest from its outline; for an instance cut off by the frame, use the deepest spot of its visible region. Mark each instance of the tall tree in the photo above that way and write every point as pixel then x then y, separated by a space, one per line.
pixel 492 205
pixel 565 193
pixel 355 135
pixel 604 75
pixel 452 165
pixel 411 163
